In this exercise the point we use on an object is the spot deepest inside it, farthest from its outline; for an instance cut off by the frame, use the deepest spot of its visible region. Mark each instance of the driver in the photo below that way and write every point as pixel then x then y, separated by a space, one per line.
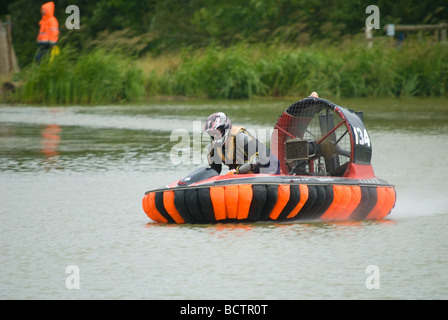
pixel 237 148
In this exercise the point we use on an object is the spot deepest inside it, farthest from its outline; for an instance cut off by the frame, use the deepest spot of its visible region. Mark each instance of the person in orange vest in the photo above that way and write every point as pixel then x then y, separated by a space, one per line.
pixel 48 32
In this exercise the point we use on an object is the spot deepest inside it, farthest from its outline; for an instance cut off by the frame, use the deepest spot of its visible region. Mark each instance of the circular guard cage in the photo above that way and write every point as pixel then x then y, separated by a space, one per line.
pixel 317 137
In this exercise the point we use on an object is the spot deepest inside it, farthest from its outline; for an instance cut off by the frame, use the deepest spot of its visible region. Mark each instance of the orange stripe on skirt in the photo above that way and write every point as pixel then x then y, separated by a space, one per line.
pixel 231 199
pixel 355 199
pixel 381 197
pixel 282 200
pixel 244 200
pixel 338 193
pixel 217 196
pixel 303 197
pixel 168 202
pixel 384 205
pixel 389 203
pixel 153 213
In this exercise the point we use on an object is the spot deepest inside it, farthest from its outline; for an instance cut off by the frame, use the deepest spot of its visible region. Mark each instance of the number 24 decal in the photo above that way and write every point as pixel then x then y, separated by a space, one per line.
pixel 361 136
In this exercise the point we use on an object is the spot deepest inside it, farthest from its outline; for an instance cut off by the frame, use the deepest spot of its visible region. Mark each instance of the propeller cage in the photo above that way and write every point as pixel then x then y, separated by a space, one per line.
pixel 315 136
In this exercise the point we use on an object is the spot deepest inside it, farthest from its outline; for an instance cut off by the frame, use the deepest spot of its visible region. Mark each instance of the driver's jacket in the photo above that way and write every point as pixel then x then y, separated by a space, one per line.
pixel 241 147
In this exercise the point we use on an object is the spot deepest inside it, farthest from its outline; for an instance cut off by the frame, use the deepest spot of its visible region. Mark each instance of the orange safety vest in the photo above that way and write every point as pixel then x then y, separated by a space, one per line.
pixel 49 27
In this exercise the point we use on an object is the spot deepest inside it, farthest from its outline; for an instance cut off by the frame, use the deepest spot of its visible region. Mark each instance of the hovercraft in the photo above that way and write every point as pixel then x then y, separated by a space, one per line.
pixel 324 152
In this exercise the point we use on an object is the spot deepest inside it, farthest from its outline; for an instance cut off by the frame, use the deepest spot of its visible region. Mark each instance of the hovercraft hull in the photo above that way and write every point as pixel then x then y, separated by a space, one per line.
pixel 271 198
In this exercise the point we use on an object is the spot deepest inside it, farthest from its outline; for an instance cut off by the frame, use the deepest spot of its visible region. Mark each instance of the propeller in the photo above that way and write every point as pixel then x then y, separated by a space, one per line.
pixel 325 144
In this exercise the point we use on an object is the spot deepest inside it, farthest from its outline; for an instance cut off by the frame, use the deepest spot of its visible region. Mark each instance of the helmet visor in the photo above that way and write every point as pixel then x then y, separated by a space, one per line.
pixel 217 135
pixel 214 133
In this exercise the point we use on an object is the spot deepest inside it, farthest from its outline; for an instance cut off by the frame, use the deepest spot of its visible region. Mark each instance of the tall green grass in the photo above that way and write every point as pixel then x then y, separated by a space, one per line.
pixel 213 73
pixel 86 78
pixel 243 71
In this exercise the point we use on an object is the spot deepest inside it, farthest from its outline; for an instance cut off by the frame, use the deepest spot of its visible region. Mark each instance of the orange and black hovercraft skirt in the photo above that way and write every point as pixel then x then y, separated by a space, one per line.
pixel 324 153
pixel 268 201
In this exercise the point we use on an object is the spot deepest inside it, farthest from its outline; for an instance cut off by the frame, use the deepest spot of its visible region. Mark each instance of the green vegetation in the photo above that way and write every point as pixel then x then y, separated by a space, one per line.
pixel 91 78
pixel 239 71
pixel 128 50
pixel 244 71
pixel 175 24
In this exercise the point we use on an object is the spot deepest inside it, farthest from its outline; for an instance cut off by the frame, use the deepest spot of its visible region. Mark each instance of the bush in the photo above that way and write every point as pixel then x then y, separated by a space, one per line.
pixel 86 78
pixel 219 73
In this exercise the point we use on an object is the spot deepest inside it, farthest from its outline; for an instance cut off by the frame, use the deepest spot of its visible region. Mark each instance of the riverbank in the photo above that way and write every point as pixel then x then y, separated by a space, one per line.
pixel 349 70
pixel 239 72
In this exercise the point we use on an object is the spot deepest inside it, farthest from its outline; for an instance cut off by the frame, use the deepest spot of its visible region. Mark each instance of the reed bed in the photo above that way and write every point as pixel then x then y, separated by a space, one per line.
pixel 88 78
pixel 245 71
pixel 240 72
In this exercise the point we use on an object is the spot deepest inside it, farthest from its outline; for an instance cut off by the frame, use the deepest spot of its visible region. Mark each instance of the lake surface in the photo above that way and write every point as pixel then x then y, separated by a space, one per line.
pixel 72 181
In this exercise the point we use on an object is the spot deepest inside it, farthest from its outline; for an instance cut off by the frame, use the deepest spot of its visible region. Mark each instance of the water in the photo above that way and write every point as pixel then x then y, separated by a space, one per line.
pixel 72 181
